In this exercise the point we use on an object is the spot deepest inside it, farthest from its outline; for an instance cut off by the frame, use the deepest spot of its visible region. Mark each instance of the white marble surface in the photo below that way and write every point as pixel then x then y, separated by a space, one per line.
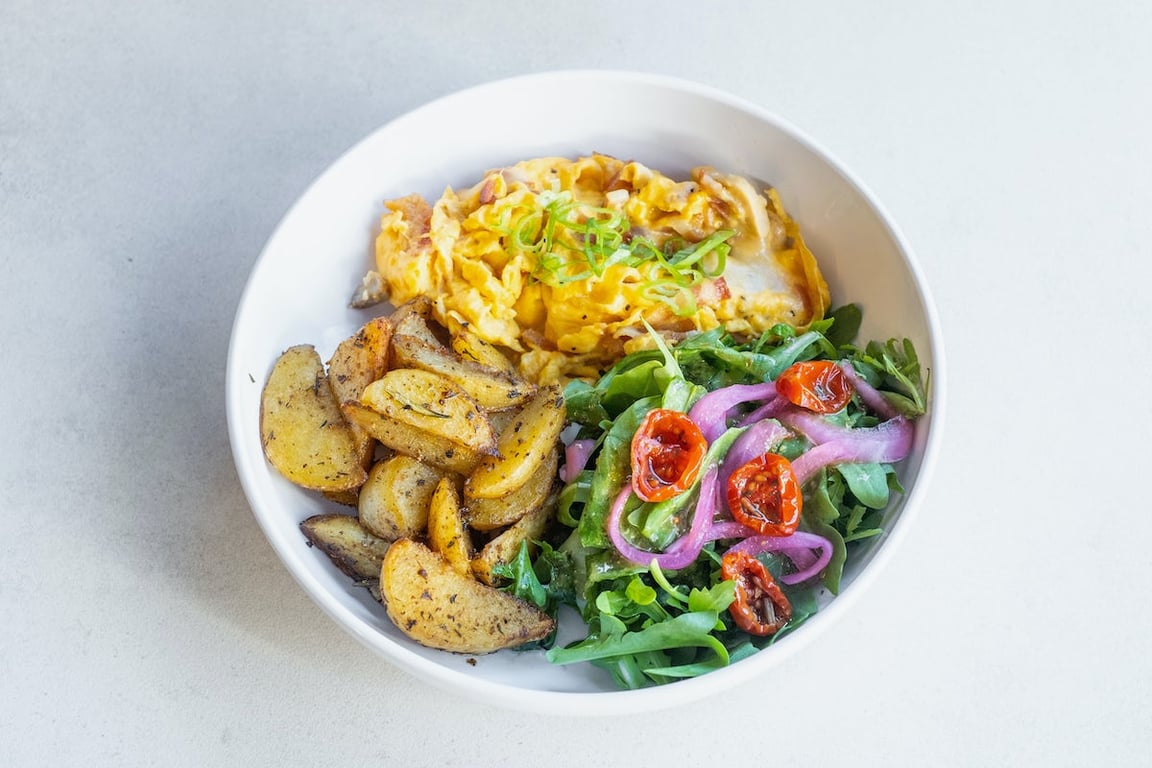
pixel 148 149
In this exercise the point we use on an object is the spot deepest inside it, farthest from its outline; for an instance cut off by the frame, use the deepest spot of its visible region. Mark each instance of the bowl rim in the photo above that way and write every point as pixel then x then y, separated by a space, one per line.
pixel 605 703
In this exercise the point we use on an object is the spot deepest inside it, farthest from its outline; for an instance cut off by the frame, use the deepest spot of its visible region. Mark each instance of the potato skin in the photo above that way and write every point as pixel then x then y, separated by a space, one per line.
pixel 302 429
pixel 351 547
pixel 357 362
pixel 435 605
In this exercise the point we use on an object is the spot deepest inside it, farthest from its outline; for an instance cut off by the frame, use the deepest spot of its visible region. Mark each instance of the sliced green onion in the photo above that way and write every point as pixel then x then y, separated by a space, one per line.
pixel 573 241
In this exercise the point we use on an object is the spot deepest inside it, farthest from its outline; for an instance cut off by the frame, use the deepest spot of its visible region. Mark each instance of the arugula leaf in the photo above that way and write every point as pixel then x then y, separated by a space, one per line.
pixel 602 569
pixel 845 325
pixel 822 511
pixel 856 527
pixel 823 503
pixel 868 483
pixel 804 606
pixel 744 365
pixel 692 629
pixel 688 670
pixel 835 568
pixel 716 599
pixel 898 367
pixel 646 626
pixel 546 583
pixel 524 583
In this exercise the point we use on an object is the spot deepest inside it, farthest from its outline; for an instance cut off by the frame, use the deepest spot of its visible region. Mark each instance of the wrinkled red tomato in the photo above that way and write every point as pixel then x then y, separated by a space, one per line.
pixel 817 385
pixel 760 607
pixel 667 452
pixel 765 495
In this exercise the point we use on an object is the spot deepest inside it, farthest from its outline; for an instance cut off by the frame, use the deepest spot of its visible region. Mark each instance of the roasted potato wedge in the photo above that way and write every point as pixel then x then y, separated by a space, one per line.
pixel 434 405
pixel 408 440
pixel 471 347
pixel 349 498
pixel 357 362
pixel 394 500
pixel 437 606
pixel 349 545
pixel 503 548
pixel 304 434
pixel 490 514
pixel 412 319
pixel 492 389
pixel 446 531
pixel 522 447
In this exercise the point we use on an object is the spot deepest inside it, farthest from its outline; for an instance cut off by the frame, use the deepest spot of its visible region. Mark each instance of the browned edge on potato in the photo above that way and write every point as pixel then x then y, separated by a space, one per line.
pixel 302 429
pixel 437 606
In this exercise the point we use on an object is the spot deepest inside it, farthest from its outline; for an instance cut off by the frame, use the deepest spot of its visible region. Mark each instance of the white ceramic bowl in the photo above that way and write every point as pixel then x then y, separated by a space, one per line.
pixel 298 293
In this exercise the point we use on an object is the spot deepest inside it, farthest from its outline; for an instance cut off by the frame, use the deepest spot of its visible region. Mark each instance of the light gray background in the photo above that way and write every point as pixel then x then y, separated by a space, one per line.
pixel 147 150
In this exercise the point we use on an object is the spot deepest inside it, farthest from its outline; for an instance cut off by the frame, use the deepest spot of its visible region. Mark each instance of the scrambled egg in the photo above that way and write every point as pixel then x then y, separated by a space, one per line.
pixel 561 261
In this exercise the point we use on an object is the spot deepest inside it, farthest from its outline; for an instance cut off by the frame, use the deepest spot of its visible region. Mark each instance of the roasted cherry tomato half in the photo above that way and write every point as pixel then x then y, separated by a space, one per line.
pixel 818 385
pixel 760 608
pixel 765 496
pixel 667 451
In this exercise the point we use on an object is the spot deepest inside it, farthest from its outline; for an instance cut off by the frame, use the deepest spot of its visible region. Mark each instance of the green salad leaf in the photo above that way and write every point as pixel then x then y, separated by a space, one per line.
pixel 649 626
pixel 547 582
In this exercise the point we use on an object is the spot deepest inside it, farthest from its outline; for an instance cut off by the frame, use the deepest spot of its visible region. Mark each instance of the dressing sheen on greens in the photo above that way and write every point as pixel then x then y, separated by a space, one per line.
pixel 650 625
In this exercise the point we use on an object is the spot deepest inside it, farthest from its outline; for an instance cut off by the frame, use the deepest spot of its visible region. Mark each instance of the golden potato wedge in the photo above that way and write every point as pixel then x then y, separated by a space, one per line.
pixel 490 514
pixel 492 389
pixel 446 532
pixel 357 362
pixel 349 498
pixel 304 434
pixel 522 447
pixel 349 545
pixel 505 547
pixel 471 347
pixel 394 500
pixel 408 440
pixel 414 318
pixel 432 404
pixel 435 605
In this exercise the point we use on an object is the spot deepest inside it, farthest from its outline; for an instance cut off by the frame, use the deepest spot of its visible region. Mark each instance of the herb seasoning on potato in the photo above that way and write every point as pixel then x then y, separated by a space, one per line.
pixel 494 431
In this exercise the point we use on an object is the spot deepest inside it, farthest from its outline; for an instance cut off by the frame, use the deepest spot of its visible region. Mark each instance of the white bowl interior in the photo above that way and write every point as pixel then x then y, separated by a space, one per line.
pixel 299 289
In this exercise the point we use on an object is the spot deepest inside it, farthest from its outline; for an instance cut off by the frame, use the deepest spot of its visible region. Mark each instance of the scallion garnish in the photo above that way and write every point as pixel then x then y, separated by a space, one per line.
pixel 572 241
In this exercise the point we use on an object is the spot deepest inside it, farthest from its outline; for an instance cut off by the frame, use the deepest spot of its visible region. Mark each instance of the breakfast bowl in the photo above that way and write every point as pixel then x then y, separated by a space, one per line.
pixel 300 286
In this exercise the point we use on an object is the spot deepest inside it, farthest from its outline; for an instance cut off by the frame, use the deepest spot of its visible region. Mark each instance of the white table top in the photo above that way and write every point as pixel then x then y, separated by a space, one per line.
pixel 147 150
